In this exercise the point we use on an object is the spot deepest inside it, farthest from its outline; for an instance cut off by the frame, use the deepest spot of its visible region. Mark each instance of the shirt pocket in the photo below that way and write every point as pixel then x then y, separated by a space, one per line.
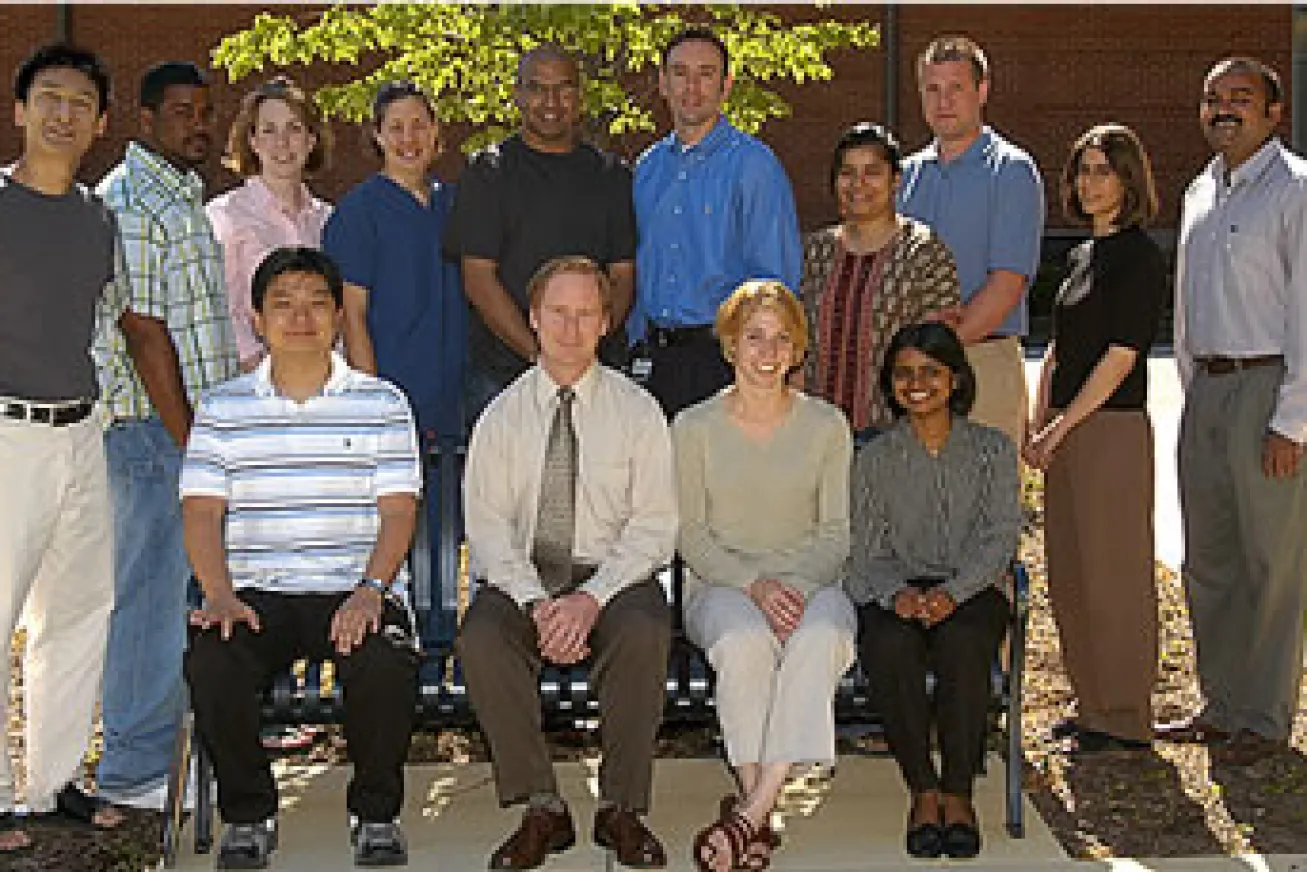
pixel 604 486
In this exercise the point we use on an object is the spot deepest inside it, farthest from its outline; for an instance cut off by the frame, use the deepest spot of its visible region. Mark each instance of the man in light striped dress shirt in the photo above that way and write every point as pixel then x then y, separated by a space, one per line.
pixel 299 490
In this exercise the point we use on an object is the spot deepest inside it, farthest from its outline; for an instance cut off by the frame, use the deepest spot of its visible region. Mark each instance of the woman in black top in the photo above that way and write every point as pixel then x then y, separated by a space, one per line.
pixel 1092 437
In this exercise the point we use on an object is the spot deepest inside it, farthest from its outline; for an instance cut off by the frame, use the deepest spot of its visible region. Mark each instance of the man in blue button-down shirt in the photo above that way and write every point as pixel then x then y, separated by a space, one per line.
pixel 984 197
pixel 713 208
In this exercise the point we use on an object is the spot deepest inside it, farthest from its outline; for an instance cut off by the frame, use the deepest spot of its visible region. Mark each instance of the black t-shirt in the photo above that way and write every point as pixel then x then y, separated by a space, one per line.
pixel 1113 295
pixel 521 208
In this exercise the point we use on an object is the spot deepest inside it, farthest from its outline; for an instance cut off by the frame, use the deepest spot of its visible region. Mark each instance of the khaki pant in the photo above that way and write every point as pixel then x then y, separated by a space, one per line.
pixel 56 569
pixel 1098 519
pixel 1001 399
pixel 775 701
pixel 1245 553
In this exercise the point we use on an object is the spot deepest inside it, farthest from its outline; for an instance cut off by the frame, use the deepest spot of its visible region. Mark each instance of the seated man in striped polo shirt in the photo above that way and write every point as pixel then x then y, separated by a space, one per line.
pixel 298 498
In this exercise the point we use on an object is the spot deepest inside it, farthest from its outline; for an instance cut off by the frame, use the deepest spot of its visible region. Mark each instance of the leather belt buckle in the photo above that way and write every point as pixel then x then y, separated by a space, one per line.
pixel 1228 365
pixel 52 414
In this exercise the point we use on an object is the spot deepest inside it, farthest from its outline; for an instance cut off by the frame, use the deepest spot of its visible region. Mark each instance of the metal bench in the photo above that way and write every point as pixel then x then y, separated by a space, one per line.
pixel 566 696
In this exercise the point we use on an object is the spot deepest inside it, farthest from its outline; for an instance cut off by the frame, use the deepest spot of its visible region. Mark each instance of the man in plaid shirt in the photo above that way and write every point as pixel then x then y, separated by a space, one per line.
pixel 174 279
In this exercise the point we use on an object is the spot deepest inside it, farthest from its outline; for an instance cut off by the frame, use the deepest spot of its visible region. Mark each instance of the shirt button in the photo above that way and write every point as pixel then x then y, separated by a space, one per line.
pixel 676 210
pixel 667 313
pixel 682 175
pixel 676 246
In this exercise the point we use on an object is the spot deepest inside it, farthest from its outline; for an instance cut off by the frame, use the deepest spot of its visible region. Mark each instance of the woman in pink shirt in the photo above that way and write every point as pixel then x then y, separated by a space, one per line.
pixel 276 140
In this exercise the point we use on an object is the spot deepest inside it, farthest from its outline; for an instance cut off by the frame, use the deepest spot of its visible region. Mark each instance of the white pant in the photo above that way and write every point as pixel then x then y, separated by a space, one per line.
pixel 775 702
pixel 56 570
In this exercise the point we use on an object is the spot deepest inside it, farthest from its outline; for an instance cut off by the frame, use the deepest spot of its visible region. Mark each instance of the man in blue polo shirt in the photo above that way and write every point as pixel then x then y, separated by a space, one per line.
pixel 299 494
pixel 713 208
pixel 984 197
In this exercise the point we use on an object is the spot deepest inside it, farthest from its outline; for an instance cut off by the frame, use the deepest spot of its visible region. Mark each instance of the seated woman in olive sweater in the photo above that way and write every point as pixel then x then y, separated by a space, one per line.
pixel 936 518
pixel 763 474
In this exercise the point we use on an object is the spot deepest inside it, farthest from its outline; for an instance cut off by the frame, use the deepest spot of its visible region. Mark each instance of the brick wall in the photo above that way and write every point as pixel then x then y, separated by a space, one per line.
pixel 1057 70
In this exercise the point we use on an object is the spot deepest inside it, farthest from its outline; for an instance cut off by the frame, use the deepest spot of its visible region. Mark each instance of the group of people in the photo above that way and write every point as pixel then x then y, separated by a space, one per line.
pixel 839 475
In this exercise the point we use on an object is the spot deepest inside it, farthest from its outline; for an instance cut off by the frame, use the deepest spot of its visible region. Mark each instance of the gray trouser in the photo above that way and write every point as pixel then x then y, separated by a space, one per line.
pixel 1244 553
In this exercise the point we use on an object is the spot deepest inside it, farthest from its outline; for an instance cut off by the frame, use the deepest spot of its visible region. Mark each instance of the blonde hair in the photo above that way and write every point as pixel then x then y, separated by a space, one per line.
pixel 575 264
pixel 753 296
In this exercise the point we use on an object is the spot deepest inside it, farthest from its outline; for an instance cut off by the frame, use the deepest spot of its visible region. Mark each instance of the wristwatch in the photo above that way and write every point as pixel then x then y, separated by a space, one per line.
pixel 376 584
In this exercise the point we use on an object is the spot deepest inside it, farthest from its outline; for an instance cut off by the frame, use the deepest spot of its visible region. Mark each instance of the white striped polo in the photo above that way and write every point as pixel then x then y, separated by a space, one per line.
pixel 301 480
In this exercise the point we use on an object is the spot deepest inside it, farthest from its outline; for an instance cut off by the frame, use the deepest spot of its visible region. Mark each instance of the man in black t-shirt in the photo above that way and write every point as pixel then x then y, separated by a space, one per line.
pixel 540 194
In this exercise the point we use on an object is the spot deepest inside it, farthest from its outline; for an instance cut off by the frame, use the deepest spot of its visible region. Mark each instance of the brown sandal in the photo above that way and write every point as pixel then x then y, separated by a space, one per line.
pixel 739 834
pixel 757 855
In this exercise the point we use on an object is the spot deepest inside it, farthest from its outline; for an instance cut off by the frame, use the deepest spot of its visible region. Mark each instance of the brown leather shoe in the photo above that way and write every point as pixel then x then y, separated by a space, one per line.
pixel 541 833
pixel 622 832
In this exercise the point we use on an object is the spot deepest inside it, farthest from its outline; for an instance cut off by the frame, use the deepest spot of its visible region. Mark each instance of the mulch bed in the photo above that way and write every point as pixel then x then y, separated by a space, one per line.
pixel 1170 801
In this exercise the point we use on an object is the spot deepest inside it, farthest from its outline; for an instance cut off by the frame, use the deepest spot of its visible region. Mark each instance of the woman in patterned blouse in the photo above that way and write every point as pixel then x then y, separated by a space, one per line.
pixel 935 521
pixel 867 276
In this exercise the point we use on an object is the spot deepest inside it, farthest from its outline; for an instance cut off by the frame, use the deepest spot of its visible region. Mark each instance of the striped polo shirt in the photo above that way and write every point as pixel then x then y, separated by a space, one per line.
pixel 301 480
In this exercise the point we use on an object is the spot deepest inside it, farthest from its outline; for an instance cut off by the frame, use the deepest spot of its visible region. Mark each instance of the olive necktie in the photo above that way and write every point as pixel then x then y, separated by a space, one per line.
pixel 556 512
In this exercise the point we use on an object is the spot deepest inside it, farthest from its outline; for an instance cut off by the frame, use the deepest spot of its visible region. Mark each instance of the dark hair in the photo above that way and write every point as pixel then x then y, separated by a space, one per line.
pixel 938 341
pixel 393 92
pixel 548 51
pixel 63 56
pixel 240 157
pixel 699 34
pixel 1126 155
pixel 299 259
pixel 865 134
pixel 160 77
pixel 1243 64
pixel 944 49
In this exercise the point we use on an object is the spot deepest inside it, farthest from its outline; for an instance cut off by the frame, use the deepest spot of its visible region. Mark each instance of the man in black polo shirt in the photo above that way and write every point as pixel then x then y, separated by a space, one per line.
pixel 540 194
pixel 59 270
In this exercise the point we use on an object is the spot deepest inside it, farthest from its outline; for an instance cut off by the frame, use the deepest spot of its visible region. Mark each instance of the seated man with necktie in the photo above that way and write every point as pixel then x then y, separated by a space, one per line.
pixel 570 507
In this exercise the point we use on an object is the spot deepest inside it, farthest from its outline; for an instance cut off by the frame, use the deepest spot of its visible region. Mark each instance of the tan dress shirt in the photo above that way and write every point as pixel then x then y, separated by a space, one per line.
pixel 625 500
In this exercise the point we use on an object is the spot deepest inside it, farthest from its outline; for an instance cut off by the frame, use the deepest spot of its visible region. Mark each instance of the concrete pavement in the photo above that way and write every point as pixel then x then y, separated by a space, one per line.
pixel 853 821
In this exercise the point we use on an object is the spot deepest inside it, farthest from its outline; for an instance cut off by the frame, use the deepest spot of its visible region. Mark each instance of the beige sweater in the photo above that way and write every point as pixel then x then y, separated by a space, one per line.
pixel 774 509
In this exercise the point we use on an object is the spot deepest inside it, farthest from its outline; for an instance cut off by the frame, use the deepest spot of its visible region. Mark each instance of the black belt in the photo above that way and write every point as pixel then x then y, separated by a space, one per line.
pixel 1227 365
pixel 54 414
pixel 668 337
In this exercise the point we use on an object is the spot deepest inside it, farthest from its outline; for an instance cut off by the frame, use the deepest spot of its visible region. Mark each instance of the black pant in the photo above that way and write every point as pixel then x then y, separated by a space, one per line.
pixel 960 651
pixel 500 651
pixel 379 680
pixel 687 372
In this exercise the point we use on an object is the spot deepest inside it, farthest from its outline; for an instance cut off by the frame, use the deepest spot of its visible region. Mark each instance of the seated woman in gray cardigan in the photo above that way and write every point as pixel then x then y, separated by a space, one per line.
pixel 936 518
pixel 763 472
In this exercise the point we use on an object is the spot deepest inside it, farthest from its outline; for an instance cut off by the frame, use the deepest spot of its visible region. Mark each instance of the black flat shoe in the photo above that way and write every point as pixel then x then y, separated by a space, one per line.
pixel 1091 742
pixel 1067 728
pixel 925 841
pixel 961 841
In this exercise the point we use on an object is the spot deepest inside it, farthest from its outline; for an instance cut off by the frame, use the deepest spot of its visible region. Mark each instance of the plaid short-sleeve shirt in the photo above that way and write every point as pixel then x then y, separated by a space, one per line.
pixel 173 273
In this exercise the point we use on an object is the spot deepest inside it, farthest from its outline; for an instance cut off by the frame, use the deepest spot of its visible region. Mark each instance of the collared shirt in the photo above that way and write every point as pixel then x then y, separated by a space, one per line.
pixel 386 240
pixel 625 493
pixel 955 516
pixel 1241 282
pixel 301 480
pixel 709 216
pixel 987 204
pixel 174 274
pixel 250 222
